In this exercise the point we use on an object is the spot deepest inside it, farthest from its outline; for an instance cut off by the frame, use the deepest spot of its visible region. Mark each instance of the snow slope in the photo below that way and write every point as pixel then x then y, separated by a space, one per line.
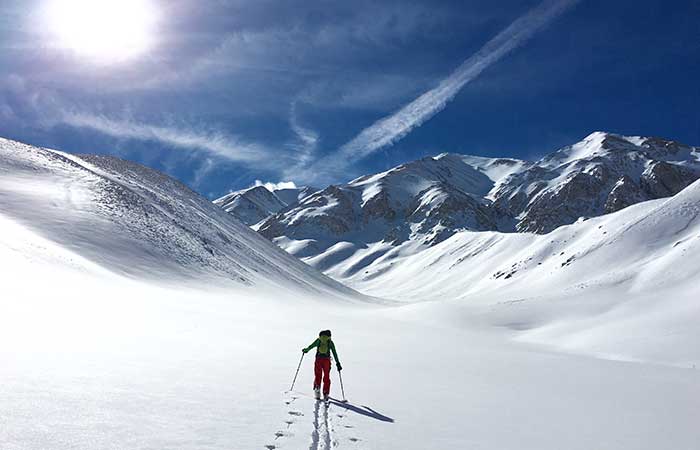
pixel 96 354
pixel 93 360
pixel 644 247
pixel 622 275
pixel 140 223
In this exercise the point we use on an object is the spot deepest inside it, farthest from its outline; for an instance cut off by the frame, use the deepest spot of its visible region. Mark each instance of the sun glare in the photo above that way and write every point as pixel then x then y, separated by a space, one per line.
pixel 102 30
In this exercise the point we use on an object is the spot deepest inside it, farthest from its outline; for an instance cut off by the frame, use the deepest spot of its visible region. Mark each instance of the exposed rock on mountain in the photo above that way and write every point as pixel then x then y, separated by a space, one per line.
pixel 662 179
pixel 427 201
pixel 598 175
pixel 625 193
pixel 257 203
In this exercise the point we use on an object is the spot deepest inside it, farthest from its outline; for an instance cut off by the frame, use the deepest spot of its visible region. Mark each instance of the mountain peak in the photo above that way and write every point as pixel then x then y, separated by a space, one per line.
pixel 256 203
pixel 428 200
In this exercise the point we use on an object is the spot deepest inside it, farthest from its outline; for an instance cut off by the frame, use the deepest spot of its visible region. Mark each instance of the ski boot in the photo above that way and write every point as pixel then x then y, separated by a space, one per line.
pixel 317 393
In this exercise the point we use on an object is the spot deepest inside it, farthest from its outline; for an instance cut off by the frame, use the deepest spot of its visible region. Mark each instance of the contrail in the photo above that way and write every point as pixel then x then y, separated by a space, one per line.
pixel 390 129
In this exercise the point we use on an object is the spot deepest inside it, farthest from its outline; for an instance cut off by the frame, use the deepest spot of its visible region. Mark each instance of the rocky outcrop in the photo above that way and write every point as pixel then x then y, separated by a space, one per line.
pixel 625 193
pixel 576 196
pixel 662 179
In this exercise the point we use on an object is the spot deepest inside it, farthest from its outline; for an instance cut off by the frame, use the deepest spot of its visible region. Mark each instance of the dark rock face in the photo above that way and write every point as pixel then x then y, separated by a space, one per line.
pixel 625 193
pixel 577 196
pixel 662 179
pixel 378 207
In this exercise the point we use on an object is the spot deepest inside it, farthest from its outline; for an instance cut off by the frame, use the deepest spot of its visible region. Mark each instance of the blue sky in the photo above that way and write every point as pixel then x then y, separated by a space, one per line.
pixel 322 91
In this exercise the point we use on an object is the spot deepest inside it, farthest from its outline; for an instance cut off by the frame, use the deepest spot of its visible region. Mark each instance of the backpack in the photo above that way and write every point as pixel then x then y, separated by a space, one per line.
pixel 324 348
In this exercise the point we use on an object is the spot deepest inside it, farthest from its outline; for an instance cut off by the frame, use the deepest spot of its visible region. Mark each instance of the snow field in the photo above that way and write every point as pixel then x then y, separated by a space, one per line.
pixel 98 362
pixel 112 337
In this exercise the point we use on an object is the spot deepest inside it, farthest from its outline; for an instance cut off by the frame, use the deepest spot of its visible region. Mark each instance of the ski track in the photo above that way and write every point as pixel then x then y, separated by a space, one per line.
pixel 323 433
pixel 315 434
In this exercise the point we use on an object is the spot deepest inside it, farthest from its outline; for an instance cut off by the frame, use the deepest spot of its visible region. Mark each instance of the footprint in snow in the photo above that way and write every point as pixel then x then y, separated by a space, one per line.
pixel 280 434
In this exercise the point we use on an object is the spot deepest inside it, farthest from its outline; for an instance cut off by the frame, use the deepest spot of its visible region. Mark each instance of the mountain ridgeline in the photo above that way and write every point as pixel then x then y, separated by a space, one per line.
pixel 429 200
pixel 257 203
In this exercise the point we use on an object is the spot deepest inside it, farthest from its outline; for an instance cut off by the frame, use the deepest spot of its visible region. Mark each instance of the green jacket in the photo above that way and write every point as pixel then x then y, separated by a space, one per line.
pixel 324 347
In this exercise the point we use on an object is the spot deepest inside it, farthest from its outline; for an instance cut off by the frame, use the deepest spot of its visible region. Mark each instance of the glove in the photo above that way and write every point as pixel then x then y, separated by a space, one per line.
pixel 339 367
pixel 304 351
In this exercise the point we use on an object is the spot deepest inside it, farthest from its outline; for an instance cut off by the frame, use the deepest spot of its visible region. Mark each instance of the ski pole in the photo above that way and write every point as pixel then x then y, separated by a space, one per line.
pixel 296 374
pixel 342 389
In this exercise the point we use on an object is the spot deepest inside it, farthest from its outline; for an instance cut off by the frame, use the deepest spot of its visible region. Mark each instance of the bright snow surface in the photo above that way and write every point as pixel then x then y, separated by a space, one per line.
pixel 97 356
pixel 140 223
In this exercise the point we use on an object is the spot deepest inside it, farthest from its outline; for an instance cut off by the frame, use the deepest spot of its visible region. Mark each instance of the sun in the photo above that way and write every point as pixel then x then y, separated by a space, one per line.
pixel 102 30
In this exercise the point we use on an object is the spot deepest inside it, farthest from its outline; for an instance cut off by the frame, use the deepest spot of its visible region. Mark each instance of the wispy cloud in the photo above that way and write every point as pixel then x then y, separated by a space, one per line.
pixel 393 128
pixel 211 142
pixel 307 139
pixel 303 149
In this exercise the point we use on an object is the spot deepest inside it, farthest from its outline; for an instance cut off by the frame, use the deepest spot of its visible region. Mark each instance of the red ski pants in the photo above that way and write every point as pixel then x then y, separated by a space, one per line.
pixel 323 368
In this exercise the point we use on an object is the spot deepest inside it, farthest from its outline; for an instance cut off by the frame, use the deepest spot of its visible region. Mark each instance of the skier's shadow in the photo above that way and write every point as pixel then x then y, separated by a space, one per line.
pixel 363 410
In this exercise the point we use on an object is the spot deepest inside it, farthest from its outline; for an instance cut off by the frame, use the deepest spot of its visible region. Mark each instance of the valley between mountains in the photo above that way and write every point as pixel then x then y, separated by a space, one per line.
pixel 475 303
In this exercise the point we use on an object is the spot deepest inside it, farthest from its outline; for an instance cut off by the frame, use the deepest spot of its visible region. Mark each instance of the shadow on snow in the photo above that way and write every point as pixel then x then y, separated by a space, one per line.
pixel 363 410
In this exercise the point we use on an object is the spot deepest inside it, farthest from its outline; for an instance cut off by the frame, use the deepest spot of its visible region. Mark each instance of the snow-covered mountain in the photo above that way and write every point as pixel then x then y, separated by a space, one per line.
pixel 133 362
pixel 137 222
pixel 643 248
pixel 425 202
pixel 601 174
pixel 609 286
pixel 257 203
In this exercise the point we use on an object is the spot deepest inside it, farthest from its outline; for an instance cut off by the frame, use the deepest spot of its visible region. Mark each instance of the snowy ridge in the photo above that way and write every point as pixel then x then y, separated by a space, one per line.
pixel 137 222
pixel 251 205
pixel 585 179
pixel 343 229
pixel 257 203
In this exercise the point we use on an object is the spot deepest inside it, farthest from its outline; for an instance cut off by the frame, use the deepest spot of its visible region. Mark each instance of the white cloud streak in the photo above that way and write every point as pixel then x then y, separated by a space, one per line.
pixel 203 172
pixel 393 128
pixel 307 138
pixel 213 143
pixel 305 145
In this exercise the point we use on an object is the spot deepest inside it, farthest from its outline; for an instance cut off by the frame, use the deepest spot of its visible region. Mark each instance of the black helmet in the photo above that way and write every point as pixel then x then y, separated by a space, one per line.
pixel 325 333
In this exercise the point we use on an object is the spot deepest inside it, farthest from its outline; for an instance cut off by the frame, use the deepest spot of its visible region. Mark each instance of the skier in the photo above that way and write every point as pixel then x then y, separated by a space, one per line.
pixel 324 345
